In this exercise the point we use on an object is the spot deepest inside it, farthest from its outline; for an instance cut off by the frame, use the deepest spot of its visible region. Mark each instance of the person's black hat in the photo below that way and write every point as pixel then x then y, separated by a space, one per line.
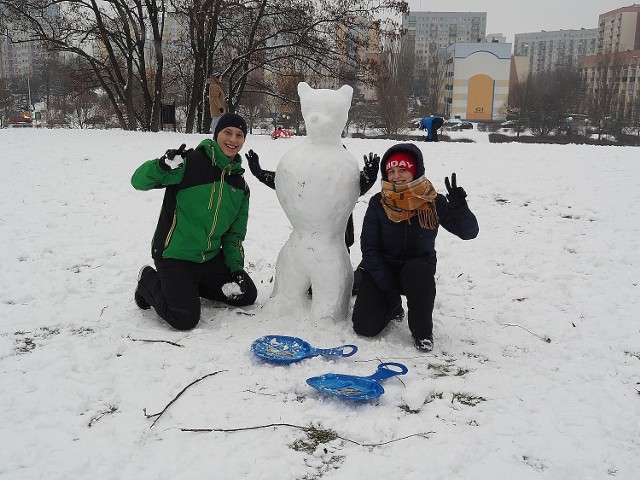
pixel 230 120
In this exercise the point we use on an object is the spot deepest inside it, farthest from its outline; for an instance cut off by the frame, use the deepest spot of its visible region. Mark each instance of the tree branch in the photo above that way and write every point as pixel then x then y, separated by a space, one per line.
pixel 544 339
pixel 159 414
pixel 304 429
pixel 154 341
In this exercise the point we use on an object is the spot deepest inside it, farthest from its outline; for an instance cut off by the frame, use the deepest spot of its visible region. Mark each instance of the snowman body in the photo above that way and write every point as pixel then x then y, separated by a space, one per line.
pixel 317 184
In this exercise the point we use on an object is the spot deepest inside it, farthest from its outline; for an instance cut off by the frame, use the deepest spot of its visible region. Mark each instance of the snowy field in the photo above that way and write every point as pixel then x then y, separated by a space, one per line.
pixel 535 372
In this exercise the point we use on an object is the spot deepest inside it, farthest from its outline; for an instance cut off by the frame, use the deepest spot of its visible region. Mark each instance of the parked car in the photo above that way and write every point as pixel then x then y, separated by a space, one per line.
pixel 451 124
pixel 20 117
pixel 457 124
pixel 460 125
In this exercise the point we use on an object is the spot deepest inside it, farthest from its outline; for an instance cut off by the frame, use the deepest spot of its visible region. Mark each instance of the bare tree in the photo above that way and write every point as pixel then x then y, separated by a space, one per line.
pixel 239 39
pixel 393 84
pixel 431 91
pixel 120 39
pixel 123 42
pixel 603 95
pixel 6 100
pixel 542 102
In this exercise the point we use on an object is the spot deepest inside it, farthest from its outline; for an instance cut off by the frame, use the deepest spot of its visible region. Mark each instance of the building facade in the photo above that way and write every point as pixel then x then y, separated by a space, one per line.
pixel 428 32
pixel 614 71
pixel 477 81
pixel 619 30
pixel 548 51
pixel 359 44
pixel 18 56
pixel 18 59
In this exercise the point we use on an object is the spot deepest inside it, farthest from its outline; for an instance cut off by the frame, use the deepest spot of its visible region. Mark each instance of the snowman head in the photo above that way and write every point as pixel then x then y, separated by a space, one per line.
pixel 325 112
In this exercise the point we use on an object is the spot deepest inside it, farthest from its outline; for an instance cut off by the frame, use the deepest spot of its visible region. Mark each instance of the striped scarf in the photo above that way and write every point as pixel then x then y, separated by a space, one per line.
pixel 401 202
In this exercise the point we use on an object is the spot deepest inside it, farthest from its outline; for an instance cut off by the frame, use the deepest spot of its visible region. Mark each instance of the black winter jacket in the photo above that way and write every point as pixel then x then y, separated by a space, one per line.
pixel 387 245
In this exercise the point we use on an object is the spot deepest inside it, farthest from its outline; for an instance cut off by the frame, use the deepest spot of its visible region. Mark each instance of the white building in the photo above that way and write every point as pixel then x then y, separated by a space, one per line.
pixel 477 82
pixel 551 50
pixel 427 32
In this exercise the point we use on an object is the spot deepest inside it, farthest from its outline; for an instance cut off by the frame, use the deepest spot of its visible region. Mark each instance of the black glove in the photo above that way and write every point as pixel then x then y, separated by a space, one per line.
pixel 254 163
pixel 369 173
pixel 239 279
pixel 265 176
pixel 167 161
pixel 456 195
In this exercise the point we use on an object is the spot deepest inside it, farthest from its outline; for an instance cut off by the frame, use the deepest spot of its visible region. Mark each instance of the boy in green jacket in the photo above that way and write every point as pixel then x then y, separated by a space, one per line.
pixel 197 245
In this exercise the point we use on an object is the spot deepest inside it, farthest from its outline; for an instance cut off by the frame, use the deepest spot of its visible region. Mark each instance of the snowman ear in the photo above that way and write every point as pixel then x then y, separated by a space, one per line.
pixel 303 88
pixel 346 91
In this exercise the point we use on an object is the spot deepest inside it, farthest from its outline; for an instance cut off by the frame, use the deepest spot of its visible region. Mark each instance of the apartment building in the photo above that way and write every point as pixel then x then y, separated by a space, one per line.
pixel 551 50
pixel 428 32
pixel 18 56
pixel 359 44
pixel 17 59
pixel 619 30
pixel 615 69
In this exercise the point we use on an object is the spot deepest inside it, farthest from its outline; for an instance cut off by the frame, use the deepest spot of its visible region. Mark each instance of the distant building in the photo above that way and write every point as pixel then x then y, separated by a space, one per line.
pixel 496 38
pixel 18 57
pixel 359 44
pixel 477 81
pixel 519 72
pixel 619 30
pixel 551 50
pixel 616 66
pixel 429 32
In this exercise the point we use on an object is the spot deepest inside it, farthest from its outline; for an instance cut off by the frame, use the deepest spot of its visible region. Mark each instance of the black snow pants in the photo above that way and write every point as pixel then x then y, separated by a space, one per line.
pixel 175 289
pixel 374 308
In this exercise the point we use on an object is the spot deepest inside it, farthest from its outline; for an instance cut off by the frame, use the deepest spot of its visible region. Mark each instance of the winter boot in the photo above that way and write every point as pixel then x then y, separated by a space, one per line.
pixel 397 313
pixel 139 299
pixel 424 344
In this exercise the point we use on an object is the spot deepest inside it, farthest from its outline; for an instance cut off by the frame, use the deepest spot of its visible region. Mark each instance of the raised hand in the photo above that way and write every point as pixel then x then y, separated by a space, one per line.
pixel 456 195
pixel 369 173
pixel 254 163
pixel 168 161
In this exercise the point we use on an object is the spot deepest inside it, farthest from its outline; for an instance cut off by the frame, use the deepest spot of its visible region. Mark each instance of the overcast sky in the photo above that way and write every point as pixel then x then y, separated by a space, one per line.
pixel 515 16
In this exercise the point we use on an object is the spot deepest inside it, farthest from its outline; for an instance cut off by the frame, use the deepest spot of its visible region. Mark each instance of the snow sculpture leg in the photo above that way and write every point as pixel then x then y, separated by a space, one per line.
pixel 317 184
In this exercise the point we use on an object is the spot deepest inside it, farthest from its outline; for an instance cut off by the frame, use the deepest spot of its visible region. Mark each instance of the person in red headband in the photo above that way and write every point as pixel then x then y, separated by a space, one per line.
pixel 398 245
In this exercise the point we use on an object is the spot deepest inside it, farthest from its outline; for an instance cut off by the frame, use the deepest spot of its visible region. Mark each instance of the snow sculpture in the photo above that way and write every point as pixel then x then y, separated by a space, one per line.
pixel 317 184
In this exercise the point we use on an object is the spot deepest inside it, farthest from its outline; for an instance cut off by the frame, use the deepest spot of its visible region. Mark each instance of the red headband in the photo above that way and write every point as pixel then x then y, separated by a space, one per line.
pixel 401 160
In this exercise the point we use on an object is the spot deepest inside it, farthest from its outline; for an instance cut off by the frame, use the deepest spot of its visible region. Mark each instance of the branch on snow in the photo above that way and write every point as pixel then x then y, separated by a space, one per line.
pixel 544 339
pixel 154 341
pixel 304 429
pixel 159 414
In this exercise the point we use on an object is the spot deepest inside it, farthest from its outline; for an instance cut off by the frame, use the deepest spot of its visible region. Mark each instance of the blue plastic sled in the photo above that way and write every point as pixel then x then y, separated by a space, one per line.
pixel 352 387
pixel 284 349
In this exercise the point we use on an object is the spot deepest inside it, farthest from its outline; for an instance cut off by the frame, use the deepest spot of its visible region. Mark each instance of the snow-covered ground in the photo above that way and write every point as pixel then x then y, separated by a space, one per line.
pixel 557 258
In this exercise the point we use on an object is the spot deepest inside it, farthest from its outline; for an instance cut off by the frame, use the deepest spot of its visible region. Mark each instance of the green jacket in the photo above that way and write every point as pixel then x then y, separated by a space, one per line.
pixel 205 207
